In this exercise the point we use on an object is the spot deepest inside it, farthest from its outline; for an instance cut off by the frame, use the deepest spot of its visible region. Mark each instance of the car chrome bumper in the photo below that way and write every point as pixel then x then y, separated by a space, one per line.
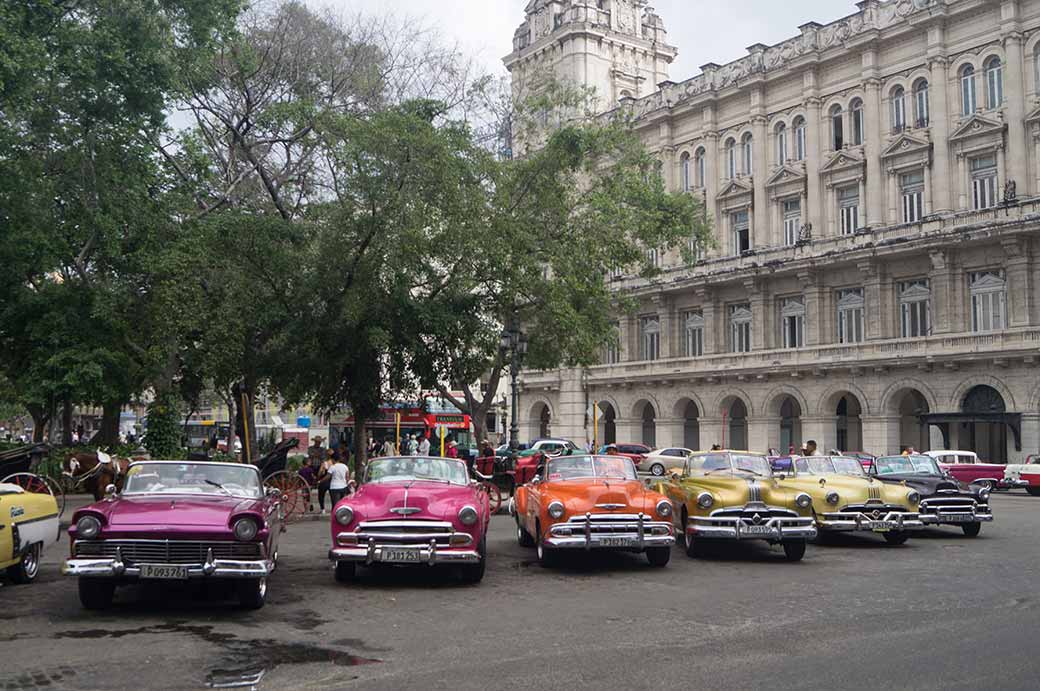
pixel 732 528
pixel 1012 483
pixel 635 533
pixel 956 518
pixel 893 520
pixel 216 568
pixel 429 555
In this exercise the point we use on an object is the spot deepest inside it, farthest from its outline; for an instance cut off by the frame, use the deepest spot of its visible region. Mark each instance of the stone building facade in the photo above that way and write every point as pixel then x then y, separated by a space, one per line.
pixel 874 187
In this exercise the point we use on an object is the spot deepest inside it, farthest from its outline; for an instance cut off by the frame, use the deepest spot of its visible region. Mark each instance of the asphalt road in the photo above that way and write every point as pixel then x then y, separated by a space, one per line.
pixel 941 612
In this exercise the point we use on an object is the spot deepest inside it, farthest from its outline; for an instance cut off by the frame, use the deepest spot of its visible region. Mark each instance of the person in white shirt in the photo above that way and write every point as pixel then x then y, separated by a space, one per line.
pixel 339 482
pixel 424 447
pixel 413 446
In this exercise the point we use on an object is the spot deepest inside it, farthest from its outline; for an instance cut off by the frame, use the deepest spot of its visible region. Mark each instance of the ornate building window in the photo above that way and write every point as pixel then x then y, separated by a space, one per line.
pixel 967 90
pixel 851 306
pixel 612 351
pixel 792 210
pixel 699 167
pixel 837 128
pixel 988 300
pixel 748 154
pixel 693 334
pixel 731 158
pixel 740 328
pixel 921 113
pixel 653 257
pixel 898 109
pixel 915 311
pixel 799 138
pixel 792 322
pixel 781 143
pixel 912 188
pixel 740 223
pixel 858 128
pixel 649 338
pixel 684 172
pixel 984 182
pixel 848 209
pixel 994 83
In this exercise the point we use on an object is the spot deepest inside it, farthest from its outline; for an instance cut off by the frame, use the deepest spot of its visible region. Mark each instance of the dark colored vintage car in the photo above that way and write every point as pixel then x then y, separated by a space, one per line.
pixel 944 499
pixel 175 521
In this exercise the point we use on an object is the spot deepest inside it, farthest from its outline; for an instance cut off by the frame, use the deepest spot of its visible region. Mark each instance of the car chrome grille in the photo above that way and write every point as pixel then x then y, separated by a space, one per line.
pixel 871 508
pixel 609 524
pixel 167 551
pixel 749 514
pixel 405 532
pixel 952 505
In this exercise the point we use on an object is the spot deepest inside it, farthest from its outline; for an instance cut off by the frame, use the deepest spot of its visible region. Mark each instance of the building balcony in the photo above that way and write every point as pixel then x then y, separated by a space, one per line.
pixel 1000 347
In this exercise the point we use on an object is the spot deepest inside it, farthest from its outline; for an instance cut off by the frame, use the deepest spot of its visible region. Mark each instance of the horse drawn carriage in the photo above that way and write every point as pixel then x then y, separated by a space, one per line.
pixel 20 466
pixel 294 488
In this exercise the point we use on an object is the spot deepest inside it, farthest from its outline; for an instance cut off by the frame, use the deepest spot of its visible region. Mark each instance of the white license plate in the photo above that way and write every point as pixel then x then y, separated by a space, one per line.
pixel 881 526
pixel 167 571
pixel 958 517
pixel 616 541
pixel 402 555
pixel 757 530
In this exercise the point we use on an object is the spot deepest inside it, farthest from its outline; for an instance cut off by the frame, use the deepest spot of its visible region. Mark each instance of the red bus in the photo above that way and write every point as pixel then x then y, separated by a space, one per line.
pixel 430 418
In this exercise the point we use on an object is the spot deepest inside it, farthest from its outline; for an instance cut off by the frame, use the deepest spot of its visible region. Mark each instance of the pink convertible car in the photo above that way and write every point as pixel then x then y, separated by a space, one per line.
pixel 174 521
pixel 412 511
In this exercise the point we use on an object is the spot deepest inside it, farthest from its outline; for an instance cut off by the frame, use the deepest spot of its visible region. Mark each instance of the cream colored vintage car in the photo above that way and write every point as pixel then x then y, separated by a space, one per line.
pixel 28 525
pixel 845 499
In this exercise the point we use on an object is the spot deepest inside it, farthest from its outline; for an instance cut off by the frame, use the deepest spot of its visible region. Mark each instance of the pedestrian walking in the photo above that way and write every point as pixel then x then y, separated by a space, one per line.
pixel 309 473
pixel 324 480
pixel 339 482
pixel 452 450
pixel 424 445
pixel 388 448
pixel 413 446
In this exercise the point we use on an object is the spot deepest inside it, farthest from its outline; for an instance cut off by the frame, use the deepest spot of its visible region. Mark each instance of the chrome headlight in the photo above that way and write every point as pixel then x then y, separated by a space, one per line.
pixel 803 500
pixel 468 515
pixel 705 500
pixel 984 494
pixel 556 510
pixel 832 497
pixel 344 515
pixel 664 508
pixel 245 529
pixel 913 497
pixel 88 527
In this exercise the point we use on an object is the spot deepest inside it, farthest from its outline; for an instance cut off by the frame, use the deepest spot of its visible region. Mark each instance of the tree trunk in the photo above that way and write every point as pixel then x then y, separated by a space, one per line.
pixel 360 444
pixel 66 422
pixel 108 433
pixel 40 420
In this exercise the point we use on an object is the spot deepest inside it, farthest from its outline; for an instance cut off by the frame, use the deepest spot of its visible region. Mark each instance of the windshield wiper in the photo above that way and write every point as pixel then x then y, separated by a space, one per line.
pixel 435 479
pixel 219 486
pixel 748 470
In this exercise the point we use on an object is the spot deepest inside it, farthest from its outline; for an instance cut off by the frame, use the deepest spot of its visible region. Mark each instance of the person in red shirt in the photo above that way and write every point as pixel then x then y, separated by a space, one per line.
pixel 452 450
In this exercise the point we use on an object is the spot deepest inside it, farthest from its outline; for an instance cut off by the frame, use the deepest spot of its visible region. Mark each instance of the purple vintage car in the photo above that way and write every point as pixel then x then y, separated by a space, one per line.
pixel 174 521
pixel 413 510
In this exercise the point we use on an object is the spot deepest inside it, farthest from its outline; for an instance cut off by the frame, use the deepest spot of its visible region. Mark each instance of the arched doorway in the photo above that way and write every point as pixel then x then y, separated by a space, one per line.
pixel 849 424
pixel 541 420
pixel 790 425
pixel 984 435
pixel 691 426
pixel 737 425
pixel 649 426
pixel 607 427
pixel 911 405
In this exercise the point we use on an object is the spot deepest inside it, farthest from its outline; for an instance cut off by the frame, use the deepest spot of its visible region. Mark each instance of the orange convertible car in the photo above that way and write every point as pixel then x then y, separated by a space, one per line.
pixel 592 502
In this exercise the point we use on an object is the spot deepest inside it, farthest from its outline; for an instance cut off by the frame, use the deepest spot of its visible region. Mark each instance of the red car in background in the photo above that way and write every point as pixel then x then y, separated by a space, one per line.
pixel 636 452
pixel 966 467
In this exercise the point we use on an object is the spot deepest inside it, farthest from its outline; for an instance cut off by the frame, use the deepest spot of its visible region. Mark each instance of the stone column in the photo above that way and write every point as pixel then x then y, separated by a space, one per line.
pixel 670 432
pixel 763 433
pixel 712 328
pixel 873 311
pixel 822 430
pixel 939 282
pixel 812 294
pixel 666 313
pixel 929 198
pixel 894 217
pixel 1019 297
pixel 881 434
pixel 711 184
pixel 874 202
pixel 568 416
pixel 814 212
pixel 1030 438
pixel 761 228
pixel 1015 95
pixel 711 431
pixel 939 122
pixel 759 304
pixel 629 429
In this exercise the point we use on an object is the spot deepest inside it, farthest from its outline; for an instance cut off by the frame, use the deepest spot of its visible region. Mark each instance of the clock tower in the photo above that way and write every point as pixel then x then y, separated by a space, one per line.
pixel 617 47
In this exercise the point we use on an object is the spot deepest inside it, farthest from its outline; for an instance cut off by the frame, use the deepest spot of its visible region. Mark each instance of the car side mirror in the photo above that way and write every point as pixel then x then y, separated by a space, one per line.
pixel 676 477
pixel 274 493
pixel 536 479
pixel 110 492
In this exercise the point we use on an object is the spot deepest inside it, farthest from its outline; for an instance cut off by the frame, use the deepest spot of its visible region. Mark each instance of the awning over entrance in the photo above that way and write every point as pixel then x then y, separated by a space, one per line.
pixel 943 420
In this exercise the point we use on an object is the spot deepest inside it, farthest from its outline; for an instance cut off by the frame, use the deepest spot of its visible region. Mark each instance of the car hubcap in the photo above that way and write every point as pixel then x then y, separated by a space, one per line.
pixel 658 470
pixel 30 562
pixel 262 588
pixel 541 551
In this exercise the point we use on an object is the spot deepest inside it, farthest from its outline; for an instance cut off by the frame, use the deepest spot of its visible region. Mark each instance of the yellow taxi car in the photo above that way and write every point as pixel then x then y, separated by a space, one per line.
pixel 845 499
pixel 28 525
pixel 733 495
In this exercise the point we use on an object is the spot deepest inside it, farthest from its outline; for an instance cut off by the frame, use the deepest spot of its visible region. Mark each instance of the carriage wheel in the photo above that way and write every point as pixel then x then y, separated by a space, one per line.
pixel 295 492
pixel 494 495
pixel 38 484
pixel 57 492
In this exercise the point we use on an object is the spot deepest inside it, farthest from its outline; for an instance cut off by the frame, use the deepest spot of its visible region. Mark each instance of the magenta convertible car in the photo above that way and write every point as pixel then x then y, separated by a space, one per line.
pixel 175 521
pixel 413 510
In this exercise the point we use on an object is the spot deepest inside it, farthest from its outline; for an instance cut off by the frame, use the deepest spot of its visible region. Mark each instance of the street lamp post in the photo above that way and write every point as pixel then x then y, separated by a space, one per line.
pixel 514 344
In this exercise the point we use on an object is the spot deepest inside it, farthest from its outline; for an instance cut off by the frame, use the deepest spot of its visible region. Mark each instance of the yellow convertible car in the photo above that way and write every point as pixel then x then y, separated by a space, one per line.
pixel 845 499
pixel 28 524
pixel 732 495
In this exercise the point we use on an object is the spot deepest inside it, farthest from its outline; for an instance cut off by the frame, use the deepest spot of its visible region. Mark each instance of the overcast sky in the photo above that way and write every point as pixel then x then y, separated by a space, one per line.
pixel 703 30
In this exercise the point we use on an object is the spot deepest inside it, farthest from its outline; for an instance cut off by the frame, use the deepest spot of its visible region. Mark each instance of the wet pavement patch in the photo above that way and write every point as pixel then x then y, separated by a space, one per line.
pixel 37 679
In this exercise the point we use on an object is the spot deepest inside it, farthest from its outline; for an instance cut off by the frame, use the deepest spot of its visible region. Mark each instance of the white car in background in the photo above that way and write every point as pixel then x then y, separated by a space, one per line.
pixel 659 461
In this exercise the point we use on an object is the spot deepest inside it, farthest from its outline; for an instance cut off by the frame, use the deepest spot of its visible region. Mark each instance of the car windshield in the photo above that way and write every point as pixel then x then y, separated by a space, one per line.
pixel 230 479
pixel 954 458
pixel 411 468
pixel 717 463
pixel 582 467
pixel 906 465
pixel 823 465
